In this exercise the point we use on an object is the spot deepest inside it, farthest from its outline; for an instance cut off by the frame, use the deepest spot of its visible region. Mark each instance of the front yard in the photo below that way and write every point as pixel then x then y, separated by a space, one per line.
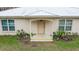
pixel 9 43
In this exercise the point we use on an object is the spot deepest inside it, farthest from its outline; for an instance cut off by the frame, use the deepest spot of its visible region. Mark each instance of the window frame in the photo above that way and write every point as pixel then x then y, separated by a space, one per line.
pixel 65 25
pixel 4 25
pixel 11 25
pixel 8 25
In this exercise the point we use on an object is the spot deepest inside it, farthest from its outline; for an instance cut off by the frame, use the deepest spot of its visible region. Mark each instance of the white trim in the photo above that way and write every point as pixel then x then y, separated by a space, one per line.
pixel 42 19
pixel 65 25
pixel 8 24
pixel 30 28
pixel 42 40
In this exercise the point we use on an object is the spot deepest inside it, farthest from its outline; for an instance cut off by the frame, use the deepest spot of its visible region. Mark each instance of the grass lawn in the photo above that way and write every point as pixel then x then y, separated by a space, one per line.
pixel 9 43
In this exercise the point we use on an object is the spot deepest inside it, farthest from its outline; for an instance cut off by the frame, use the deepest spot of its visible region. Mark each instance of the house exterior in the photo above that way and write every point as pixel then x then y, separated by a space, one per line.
pixel 41 21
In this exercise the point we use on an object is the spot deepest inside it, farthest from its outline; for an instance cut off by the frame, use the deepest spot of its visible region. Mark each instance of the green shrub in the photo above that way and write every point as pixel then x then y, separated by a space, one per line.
pixel 61 35
pixel 23 36
pixel 58 34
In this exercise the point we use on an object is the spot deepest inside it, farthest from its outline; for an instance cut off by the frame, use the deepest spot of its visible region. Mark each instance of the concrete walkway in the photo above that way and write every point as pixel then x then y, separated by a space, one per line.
pixel 41 38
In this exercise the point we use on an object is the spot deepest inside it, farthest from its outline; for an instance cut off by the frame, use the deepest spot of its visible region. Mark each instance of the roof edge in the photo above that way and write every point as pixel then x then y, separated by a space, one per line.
pixel 44 17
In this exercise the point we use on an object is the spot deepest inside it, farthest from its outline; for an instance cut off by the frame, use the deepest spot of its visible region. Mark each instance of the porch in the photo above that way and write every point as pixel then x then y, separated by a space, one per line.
pixel 42 29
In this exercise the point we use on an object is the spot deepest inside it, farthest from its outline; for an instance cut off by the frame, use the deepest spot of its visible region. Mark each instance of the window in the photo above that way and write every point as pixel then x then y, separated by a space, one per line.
pixel 11 25
pixel 65 25
pixel 4 25
pixel 8 25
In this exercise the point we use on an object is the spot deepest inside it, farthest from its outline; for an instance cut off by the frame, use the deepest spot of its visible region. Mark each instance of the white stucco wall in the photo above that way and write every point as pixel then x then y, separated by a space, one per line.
pixel 22 24
pixel 50 26
pixel 55 25
pixel 34 26
pixel 75 25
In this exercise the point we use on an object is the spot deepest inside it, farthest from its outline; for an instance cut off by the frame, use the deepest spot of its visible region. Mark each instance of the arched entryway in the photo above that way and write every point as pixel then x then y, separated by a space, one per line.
pixel 41 28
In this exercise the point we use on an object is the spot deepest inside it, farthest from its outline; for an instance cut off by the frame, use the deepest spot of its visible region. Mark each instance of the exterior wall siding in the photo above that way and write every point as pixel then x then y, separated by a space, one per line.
pixel 75 25
pixel 22 24
pixel 34 27
pixel 50 26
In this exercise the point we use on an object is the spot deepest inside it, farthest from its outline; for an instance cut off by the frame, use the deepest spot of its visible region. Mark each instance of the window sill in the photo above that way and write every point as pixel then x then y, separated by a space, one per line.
pixel 8 31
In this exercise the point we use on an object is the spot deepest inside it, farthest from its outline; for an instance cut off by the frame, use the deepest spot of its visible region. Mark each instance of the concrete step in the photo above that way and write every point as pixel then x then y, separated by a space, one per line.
pixel 41 38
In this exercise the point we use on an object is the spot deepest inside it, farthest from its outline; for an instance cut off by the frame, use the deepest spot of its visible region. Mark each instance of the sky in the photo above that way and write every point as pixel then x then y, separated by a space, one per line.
pixel 39 3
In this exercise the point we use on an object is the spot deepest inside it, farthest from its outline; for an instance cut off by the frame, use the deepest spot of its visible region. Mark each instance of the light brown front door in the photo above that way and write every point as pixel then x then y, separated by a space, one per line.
pixel 41 27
